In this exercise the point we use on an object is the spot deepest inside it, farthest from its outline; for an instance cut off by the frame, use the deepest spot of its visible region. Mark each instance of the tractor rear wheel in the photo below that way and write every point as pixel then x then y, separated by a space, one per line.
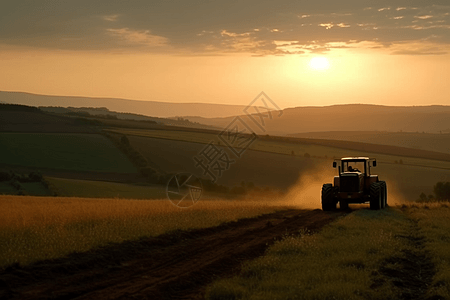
pixel 375 196
pixel 328 202
pixel 383 194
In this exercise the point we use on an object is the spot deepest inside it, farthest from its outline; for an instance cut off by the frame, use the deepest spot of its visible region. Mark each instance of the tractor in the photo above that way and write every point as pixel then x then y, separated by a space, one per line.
pixel 355 184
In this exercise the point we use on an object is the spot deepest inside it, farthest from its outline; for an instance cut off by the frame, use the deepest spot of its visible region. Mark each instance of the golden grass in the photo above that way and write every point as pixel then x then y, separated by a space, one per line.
pixel 433 220
pixel 36 228
pixel 335 264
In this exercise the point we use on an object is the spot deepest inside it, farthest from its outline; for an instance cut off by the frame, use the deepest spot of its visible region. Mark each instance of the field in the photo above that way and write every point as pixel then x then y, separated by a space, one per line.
pixel 284 171
pixel 143 249
pixel 30 188
pixel 405 256
pixel 313 148
pixel 102 189
pixel 34 228
pixel 72 152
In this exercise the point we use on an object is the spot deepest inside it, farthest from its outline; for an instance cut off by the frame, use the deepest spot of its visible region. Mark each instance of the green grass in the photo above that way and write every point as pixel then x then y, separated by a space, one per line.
pixel 365 255
pixel 71 152
pixel 335 264
pixel 7 189
pixel 30 188
pixel 434 222
pixel 101 189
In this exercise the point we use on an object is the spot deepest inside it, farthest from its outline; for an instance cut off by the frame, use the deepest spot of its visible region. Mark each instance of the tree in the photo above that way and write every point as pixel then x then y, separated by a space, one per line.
pixel 423 197
pixel 125 141
pixel 5 176
pixel 442 190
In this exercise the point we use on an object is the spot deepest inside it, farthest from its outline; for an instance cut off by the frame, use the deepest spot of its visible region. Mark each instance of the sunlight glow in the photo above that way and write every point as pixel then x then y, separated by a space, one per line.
pixel 319 63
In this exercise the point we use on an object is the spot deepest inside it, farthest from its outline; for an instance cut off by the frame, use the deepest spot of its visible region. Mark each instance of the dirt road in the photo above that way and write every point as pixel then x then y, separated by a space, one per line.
pixel 178 265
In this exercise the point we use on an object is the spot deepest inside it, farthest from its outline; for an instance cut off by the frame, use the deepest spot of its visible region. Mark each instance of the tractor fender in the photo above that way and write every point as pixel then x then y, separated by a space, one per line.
pixel 336 181
pixel 371 179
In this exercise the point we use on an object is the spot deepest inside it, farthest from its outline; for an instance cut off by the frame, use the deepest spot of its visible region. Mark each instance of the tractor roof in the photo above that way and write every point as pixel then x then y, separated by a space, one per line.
pixel 355 158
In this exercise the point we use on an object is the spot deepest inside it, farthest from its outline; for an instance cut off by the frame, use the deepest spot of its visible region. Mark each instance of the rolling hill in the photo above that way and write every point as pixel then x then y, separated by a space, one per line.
pixel 422 141
pixel 148 108
pixel 351 117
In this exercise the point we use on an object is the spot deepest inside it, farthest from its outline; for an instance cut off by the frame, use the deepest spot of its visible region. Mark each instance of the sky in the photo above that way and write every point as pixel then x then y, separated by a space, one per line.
pixel 228 51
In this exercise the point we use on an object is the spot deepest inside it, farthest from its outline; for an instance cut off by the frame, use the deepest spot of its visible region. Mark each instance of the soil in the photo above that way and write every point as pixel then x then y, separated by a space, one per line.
pixel 177 265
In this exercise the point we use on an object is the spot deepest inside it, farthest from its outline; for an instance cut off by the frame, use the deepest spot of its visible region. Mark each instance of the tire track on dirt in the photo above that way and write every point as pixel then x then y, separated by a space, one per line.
pixel 178 265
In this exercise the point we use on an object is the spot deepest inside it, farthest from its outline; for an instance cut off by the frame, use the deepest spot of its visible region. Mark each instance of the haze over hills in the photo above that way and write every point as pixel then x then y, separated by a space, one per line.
pixel 350 117
pixel 148 108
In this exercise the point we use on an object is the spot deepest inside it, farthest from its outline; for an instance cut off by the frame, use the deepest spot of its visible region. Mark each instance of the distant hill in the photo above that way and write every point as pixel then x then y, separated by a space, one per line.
pixel 19 118
pixel 103 112
pixel 439 142
pixel 351 117
pixel 148 108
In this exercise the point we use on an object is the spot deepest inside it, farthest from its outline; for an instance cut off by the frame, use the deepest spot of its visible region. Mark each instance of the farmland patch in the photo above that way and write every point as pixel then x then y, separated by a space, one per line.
pixel 74 152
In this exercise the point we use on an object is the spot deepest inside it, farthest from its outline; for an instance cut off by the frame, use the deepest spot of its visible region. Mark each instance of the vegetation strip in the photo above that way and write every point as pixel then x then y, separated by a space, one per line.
pixel 366 255
pixel 411 270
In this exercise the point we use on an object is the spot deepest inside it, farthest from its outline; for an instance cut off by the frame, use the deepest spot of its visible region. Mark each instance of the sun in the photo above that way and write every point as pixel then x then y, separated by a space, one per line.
pixel 319 63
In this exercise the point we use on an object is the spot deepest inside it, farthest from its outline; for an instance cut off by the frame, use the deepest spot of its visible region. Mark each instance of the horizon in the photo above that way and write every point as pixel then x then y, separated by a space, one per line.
pixel 204 103
pixel 300 53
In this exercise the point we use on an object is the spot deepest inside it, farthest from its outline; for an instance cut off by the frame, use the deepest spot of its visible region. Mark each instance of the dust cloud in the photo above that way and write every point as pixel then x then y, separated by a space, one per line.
pixel 306 192
pixel 395 196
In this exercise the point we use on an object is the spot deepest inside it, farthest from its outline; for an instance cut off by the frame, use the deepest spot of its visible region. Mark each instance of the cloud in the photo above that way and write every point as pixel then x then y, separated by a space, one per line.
pixel 111 18
pixel 423 17
pixel 326 25
pixel 204 28
pixel 136 37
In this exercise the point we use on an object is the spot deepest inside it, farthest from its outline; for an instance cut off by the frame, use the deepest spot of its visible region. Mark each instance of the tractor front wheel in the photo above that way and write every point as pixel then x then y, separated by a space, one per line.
pixel 375 196
pixel 328 202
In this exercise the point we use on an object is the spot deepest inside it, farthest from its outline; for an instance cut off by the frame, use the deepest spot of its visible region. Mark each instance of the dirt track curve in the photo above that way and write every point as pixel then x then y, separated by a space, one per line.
pixel 178 265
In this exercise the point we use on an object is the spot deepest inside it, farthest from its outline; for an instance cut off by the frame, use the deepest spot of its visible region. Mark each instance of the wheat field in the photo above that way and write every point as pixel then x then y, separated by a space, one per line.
pixel 36 228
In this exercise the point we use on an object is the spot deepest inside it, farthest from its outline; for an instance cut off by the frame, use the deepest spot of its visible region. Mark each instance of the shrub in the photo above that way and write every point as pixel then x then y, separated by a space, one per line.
pixel 22 193
pixel 16 184
pixel 35 176
pixel 125 141
pixel 5 176
pixel 442 190
pixel 148 171
pixel 22 178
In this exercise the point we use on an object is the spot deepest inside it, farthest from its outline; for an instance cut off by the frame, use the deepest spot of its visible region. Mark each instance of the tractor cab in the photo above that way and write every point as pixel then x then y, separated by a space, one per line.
pixel 354 175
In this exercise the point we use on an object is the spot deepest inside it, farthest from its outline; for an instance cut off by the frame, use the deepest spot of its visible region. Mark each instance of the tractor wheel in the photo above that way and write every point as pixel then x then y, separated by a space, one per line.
pixel 383 194
pixel 328 202
pixel 375 196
